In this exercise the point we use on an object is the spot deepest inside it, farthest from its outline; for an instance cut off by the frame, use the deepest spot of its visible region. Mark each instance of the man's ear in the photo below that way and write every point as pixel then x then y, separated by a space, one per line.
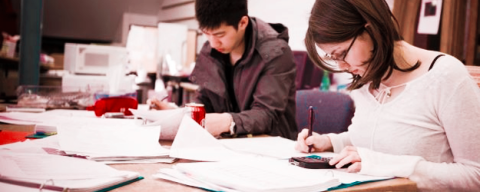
pixel 243 23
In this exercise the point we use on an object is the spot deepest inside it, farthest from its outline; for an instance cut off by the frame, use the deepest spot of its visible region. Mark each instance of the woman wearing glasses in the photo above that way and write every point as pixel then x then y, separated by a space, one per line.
pixel 417 111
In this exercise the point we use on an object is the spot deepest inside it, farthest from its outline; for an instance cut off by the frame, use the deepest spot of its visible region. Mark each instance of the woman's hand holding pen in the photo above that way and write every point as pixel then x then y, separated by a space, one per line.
pixel 348 155
pixel 320 143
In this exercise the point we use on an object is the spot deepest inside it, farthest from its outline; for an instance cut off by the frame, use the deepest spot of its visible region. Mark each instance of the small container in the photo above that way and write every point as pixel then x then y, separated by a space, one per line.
pixel 197 112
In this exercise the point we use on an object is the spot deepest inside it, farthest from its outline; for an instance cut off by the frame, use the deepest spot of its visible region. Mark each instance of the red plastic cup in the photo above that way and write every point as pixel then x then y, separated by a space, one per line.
pixel 197 112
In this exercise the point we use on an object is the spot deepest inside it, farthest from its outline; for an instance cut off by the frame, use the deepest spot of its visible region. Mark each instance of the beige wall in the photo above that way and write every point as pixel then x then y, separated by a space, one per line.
pixel 92 19
pixel 293 14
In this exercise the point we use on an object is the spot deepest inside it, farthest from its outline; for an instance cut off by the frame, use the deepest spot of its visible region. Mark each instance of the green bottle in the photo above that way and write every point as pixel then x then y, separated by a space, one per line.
pixel 325 81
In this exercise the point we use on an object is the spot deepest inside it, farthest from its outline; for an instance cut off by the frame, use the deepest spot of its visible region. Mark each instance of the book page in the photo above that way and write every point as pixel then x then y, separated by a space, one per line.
pixel 259 175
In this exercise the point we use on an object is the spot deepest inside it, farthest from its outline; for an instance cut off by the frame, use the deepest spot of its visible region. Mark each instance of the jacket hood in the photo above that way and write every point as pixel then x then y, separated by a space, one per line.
pixel 269 39
pixel 280 31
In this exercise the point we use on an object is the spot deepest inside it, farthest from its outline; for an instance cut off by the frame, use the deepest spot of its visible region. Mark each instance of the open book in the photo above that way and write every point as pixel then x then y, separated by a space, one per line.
pixel 22 171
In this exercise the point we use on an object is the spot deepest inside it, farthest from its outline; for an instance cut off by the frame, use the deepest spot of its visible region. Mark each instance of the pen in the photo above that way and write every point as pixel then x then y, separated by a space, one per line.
pixel 311 117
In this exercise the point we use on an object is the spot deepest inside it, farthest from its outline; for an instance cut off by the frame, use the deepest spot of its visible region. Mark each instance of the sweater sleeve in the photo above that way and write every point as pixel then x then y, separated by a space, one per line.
pixel 459 115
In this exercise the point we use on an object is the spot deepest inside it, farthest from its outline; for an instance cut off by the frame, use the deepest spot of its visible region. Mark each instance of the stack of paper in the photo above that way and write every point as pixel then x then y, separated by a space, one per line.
pixel 111 139
pixel 52 172
pixel 38 119
pixel 46 121
pixel 259 175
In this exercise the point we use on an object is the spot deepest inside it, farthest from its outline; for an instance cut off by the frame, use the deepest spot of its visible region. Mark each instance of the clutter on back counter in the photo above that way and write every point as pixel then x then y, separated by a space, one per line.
pixel 9 45
pixel 90 98
pixel 56 97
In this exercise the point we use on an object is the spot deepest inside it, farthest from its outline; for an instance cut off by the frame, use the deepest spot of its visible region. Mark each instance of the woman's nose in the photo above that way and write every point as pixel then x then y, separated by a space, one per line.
pixel 344 66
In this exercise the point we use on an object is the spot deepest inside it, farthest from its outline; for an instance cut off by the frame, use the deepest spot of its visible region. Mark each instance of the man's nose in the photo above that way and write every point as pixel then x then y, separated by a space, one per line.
pixel 214 43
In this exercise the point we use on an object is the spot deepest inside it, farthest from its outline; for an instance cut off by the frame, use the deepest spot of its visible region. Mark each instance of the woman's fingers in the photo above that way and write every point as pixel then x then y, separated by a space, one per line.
pixel 355 167
pixel 348 155
pixel 319 142
pixel 301 144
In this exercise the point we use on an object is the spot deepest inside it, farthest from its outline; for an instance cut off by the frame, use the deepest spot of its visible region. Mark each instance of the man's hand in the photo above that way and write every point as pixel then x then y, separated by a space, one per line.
pixel 218 123
pixel 160 105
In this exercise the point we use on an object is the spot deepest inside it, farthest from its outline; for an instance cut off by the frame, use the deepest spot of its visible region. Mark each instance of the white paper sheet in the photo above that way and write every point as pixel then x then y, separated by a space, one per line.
pixel 195 143
pixel 275 147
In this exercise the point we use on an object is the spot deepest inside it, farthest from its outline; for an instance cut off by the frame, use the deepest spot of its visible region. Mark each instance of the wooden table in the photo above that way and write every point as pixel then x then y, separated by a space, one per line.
pixel 151 184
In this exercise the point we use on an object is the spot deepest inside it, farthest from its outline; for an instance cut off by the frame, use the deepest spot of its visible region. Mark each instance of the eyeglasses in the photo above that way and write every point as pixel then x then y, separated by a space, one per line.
pixel 333 61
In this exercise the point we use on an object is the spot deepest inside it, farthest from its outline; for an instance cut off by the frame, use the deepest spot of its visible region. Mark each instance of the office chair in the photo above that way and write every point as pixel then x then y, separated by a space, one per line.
pixel 333 110
pixel 308 75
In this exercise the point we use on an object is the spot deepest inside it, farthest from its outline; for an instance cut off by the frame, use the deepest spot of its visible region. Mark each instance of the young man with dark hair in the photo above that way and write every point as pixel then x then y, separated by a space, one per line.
pixel 246 72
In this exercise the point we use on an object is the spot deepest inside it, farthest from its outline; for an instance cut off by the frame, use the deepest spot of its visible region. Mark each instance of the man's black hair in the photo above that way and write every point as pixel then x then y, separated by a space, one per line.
pixel 211 14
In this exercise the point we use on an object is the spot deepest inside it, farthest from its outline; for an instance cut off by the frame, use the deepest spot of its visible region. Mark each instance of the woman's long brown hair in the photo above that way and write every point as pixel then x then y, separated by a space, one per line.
pixel 335 21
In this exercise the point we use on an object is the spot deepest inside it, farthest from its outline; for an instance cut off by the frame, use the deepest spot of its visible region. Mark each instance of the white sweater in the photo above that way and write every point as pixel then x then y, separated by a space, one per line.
pixel 429 133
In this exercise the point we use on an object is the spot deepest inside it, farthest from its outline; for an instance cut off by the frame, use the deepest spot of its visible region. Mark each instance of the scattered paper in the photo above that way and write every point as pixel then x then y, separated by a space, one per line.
pixel 275 147
pixel 195 143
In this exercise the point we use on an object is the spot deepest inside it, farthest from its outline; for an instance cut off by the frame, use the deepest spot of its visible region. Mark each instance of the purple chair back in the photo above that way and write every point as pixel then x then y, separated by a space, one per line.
pixel 333 110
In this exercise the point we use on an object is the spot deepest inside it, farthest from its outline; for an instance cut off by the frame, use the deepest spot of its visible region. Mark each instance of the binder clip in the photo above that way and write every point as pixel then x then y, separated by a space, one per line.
pixel 114 105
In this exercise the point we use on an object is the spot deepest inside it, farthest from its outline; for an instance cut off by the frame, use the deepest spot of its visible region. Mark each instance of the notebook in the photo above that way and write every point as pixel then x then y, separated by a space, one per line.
pixel 59 173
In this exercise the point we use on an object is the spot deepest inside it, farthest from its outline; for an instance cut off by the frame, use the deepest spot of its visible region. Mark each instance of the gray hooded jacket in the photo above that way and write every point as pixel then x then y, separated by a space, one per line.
pixel 264 83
